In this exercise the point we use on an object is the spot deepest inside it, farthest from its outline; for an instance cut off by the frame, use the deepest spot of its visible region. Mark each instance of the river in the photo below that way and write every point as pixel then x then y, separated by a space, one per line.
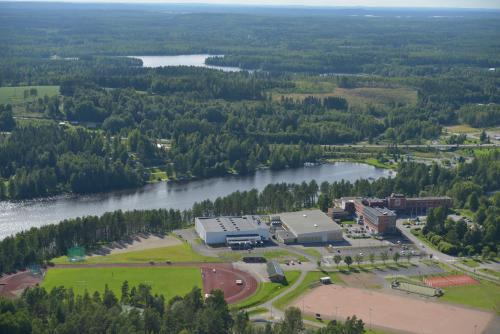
pixel 182 60
pixel 20 215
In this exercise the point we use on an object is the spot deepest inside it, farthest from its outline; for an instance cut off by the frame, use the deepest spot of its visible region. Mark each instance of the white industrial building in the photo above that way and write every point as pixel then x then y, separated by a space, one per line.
pixel 310 226
pixel 231 230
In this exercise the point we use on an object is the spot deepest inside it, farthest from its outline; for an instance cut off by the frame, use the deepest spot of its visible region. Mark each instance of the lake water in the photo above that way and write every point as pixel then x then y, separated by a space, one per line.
pixel 21 215
pixel 182 60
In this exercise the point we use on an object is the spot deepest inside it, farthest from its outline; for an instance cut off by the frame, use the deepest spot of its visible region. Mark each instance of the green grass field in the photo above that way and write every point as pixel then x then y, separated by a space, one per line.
pixel 177 253
pixel 170 281
pixel 485 295
pixel 490 272
pixel 471 263
pixel 282 256
pixel 313 252
pixel 15 95
pixel 311 278
pixel 269 290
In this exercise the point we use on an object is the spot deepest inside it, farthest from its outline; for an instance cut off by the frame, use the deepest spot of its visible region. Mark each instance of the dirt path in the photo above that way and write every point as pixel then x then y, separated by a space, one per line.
pixel 137 243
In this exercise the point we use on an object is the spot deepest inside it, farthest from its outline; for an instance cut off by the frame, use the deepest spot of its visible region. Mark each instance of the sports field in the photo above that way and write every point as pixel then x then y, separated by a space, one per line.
pixel 401 314
pixel 176 253
pixel 485 295
pixel 169 281
pixel 14 95
pixel 449 280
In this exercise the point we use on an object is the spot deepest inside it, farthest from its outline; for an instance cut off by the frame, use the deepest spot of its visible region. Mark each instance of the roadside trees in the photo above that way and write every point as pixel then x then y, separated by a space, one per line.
pixel 358 258
pixel 337 258
pixel 348 261
pixel 372 258
pixel 384 256
pixel 396 257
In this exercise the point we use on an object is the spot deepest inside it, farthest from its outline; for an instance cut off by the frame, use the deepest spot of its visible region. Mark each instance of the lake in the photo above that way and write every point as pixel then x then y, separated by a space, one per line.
pixel 182 60
pixel 21 215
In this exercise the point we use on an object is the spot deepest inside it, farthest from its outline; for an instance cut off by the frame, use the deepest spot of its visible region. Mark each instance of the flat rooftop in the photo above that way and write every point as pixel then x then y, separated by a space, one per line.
pixel 308 221
pixel 231 224
pixel 432 198
pixel 379 211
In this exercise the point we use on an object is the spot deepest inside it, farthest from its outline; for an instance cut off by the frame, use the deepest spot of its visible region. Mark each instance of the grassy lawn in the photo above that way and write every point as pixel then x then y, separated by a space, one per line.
pixel 490 272
pixel 374 162
pixel 269 290
pixel 157 174
pixel 258 310
pixel 485 295
pixel 177 253
pixel 313 252
pixel 471 263
pixel 311 278
pixel 465 213
pixel 167 281
pixel 15 95
pixel 282 256
pixel 348 222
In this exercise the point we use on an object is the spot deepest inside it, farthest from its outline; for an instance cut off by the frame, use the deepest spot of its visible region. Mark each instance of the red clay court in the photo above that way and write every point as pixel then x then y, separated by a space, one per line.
pixel 451 280
pixel 224 278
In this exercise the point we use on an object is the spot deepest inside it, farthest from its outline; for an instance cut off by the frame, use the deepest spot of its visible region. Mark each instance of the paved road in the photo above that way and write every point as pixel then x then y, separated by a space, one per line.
pixel 274 314
pixel 416 146
pixel 437 255
pixel 448 259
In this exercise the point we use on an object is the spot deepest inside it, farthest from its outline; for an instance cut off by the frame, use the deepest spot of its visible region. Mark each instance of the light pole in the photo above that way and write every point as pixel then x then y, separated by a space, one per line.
pixel 370 318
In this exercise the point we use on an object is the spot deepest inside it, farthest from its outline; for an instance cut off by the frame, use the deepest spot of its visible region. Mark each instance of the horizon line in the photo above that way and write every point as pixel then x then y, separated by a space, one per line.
pixel 249 5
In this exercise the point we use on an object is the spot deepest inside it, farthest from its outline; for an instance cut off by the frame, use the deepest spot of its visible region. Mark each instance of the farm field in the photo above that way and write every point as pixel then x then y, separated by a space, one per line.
pixel 268 290
pixel 15 95
pixel 358 96
pixel 169 281
pixel 176 253
pixel 462 128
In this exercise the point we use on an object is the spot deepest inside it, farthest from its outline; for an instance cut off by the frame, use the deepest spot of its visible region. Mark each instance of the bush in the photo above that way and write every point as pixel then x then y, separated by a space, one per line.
pixel 447 248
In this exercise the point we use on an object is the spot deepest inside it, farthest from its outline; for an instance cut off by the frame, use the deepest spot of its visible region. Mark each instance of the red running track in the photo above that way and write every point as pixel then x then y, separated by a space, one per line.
pixel 224 278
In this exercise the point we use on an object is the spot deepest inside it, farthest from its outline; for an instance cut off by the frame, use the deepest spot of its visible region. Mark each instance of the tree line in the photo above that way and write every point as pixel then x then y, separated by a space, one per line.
pixel 138 310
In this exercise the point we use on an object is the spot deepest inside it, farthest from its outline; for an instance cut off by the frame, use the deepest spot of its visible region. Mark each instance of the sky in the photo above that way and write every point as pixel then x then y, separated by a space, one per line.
pixel 345 3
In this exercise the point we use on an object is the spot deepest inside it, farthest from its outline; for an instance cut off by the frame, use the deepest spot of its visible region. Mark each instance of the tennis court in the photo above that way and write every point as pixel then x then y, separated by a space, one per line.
pixel 450 280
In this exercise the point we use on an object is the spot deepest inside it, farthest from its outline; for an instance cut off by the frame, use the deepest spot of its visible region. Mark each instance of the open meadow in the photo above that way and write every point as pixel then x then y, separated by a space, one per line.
pixel 15 95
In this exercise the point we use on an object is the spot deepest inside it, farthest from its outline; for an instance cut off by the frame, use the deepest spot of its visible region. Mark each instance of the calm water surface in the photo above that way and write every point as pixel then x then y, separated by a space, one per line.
pixel 21 215
pixel 182 60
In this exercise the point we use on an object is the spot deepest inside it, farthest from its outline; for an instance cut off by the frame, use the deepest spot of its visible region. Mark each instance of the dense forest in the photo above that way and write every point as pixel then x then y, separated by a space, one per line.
pixel 199 122
pixel 469 185
pixel 137 310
